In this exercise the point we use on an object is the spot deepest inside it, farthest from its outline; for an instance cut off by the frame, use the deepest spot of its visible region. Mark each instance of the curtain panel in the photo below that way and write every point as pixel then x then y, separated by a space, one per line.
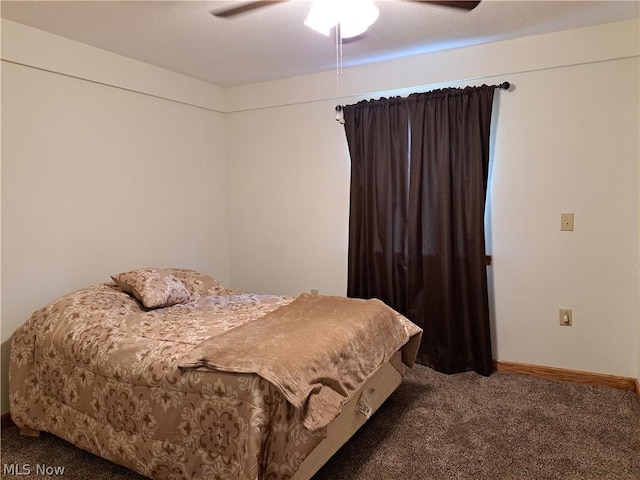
pixel 419 172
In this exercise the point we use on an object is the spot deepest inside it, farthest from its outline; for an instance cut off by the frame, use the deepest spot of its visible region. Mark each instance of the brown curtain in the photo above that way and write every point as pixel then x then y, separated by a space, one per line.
pixel 419 168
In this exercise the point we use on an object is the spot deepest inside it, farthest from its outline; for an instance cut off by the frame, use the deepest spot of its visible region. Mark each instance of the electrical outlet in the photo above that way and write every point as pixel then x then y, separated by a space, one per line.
pixel 566 317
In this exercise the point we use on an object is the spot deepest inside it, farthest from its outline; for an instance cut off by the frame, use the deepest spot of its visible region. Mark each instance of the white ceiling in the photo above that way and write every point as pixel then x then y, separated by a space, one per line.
pixel 273 43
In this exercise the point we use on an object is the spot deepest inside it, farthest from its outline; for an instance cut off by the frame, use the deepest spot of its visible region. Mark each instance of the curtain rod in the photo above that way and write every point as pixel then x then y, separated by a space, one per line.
pixel 339 108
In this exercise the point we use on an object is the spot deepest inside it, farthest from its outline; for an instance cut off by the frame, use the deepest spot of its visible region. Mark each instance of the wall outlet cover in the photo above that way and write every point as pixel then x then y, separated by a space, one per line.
pixel 565 316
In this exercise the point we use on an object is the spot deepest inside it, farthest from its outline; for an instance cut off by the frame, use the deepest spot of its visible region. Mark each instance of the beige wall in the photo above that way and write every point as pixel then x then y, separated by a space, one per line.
pixel 98 179
pixel 564 140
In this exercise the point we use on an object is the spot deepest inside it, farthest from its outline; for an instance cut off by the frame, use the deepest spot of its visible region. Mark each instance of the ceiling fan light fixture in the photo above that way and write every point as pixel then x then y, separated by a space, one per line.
pixel 354 16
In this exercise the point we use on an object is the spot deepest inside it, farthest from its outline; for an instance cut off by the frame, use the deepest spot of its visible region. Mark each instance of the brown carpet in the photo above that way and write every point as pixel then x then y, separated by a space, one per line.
pixel 439 427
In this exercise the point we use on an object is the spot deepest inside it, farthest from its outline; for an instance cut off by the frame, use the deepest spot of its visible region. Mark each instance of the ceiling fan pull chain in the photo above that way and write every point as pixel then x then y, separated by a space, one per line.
pixel 339 111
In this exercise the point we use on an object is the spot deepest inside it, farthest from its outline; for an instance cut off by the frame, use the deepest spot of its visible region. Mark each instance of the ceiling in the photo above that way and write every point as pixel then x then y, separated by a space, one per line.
pixel 273 43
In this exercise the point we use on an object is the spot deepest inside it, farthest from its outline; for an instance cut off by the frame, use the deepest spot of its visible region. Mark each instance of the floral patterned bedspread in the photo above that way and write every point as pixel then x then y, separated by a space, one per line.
pixel 97 369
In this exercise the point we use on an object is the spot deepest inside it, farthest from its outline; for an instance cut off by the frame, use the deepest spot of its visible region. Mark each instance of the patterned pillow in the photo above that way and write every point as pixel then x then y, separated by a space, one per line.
pixel 198 283
pixel 153 287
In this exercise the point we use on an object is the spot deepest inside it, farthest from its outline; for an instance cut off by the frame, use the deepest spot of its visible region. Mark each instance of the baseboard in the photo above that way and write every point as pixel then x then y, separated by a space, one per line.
pixel 6 421
pixel 575 376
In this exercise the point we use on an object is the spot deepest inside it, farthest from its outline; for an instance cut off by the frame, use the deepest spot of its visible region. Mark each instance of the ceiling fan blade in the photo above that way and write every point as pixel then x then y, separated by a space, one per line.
pixel 243 7
pixel 464 5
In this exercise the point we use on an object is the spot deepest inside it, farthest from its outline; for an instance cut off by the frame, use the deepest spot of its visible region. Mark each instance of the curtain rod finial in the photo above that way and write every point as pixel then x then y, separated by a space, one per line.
pixel 505 86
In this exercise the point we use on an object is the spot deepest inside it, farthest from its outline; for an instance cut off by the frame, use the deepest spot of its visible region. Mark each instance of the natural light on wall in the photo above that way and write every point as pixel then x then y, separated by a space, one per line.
pixel 353 16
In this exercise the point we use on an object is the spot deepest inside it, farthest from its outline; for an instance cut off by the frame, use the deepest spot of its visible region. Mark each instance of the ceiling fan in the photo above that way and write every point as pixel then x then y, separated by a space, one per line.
pixel 351 18
pixel 248 6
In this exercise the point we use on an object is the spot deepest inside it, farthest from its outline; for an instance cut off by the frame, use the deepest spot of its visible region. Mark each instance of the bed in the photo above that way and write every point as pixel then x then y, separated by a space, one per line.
pixel 175 376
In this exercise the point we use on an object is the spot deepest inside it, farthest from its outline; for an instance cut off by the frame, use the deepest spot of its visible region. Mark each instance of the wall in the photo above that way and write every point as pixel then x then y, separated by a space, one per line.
pixel 565 139
pixel 580 155
pixel 289 192
pixel 107 164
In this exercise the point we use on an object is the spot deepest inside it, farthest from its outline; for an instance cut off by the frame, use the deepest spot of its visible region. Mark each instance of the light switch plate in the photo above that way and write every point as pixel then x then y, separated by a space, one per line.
pixel 566 222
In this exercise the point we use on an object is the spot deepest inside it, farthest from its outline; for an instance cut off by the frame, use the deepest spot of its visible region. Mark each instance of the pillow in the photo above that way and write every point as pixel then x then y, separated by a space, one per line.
pixel 153 287
pixel 198 283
